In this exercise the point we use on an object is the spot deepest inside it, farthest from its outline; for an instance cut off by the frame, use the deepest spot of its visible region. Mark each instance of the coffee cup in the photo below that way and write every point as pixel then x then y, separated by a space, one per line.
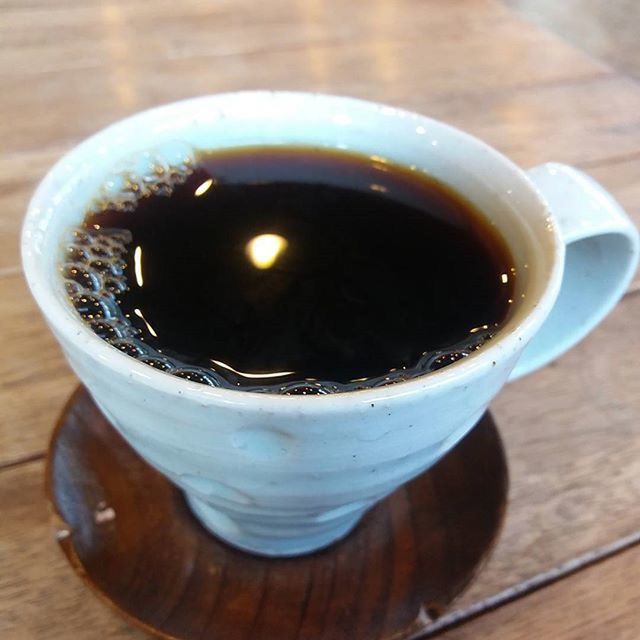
pixel 286 475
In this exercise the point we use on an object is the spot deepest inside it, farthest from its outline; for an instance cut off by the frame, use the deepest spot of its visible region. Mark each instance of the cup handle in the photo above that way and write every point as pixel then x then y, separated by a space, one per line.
pixel 601 258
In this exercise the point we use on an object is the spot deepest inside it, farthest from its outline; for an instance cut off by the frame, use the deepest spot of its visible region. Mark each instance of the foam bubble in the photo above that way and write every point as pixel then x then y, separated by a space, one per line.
pixel 196 374
pixel 163 364
pixel 447 359
pixel 130 346
pixel 76 254
pixel 305 389
pixel 82 276
pixel 154 171
pixel 105 329
pixel 90 306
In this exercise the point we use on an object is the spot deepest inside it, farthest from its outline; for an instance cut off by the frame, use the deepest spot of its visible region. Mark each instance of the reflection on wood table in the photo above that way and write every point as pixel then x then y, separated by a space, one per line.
pixel 572 431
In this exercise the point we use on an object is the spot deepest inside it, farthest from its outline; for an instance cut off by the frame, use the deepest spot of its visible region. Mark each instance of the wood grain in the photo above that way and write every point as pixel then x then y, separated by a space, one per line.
pixel 606 30
pixel 34 377
pixel 40 597
pixel 601 602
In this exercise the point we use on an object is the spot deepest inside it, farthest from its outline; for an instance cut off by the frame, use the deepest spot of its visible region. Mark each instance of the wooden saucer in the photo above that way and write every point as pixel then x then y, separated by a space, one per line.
pixel 151 560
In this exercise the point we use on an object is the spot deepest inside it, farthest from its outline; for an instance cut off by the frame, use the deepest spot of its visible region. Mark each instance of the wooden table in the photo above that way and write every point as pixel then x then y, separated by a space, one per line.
pixel 568 560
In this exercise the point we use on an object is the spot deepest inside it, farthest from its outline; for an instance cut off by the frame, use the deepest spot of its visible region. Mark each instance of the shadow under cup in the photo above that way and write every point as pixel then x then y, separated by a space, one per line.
pixel 285 475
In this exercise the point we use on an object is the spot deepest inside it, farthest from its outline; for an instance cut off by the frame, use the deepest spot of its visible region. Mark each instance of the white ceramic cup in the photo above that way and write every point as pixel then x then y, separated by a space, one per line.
pixel 285 475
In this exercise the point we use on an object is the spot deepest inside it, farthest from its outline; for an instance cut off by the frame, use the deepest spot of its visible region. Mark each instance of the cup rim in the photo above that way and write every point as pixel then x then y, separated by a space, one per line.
pixel 509 339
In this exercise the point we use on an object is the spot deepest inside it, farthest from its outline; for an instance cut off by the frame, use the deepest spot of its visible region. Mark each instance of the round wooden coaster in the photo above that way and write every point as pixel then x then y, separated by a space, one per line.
pixel 152 561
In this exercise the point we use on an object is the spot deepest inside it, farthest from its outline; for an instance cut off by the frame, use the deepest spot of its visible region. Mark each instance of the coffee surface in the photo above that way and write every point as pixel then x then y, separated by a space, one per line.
pixel 294 270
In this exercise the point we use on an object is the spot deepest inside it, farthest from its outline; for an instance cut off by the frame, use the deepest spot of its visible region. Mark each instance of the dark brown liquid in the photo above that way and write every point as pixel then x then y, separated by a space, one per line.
pixel 270 267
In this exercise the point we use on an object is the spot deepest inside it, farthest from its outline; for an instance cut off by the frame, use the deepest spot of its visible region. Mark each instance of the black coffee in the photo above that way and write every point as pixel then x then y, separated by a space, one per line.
pixel 294 270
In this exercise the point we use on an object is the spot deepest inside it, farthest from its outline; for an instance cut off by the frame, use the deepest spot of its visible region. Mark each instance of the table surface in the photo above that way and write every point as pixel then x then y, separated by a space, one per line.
pixel 567 562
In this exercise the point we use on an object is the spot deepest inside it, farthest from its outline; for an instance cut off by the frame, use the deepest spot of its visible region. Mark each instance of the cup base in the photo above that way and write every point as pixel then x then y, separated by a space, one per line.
pixel 131 536
pixel 273 546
